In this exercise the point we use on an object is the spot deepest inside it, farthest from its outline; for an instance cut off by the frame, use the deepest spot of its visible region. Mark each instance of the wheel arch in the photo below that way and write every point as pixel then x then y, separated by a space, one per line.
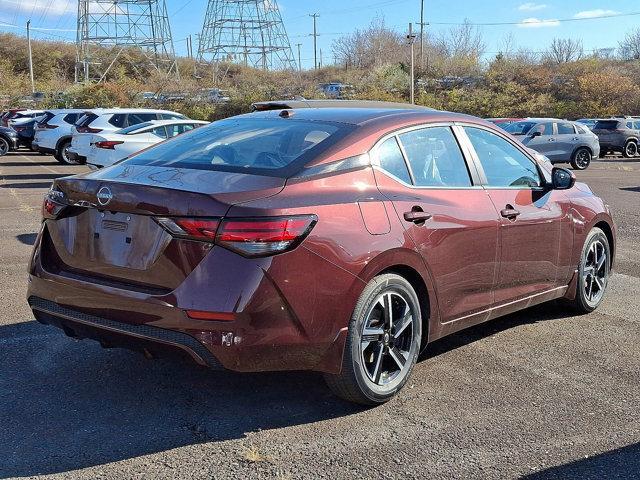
pixel 575 150
pixel 63 139
pixel 608 231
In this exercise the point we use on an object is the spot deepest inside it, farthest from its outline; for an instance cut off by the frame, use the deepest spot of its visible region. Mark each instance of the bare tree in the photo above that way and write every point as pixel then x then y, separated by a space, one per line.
pixel 564 50
pixel 373 46
pixel 463 41
pixel 630 46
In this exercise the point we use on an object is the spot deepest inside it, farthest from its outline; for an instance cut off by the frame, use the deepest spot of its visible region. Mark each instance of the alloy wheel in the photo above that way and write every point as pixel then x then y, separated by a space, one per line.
pixel 631 149
pixel 583 159
pixel 64 153
pixel 595 273
pixel 387 338
pixel 4 147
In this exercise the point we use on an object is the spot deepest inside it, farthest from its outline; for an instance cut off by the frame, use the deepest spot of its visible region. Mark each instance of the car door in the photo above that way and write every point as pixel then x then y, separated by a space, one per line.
pixel 447 215
pixel 535 228
pixel 541 138
pixel 567 140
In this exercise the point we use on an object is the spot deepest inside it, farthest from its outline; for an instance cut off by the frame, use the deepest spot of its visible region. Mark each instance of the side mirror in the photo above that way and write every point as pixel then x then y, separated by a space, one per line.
pixel 562 179
pixel 536 134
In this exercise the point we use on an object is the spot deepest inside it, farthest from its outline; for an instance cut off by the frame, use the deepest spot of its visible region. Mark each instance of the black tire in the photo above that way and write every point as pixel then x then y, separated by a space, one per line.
pixel 393 344
pixel 5 147
pixel 602 154
pixel 630 149
pixel 589 291
pixel 581 159
pixel 61 153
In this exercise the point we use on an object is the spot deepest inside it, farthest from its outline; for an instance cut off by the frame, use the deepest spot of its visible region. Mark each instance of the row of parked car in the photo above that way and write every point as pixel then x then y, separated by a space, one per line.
pixel 97 137
pixel 577 143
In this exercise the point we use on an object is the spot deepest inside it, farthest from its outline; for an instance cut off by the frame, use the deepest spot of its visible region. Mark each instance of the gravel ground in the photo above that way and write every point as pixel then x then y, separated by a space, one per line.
pixel 539 394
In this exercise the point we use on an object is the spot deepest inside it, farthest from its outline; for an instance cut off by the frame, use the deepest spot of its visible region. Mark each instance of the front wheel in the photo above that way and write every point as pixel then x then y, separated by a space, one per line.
pixel 593 271
pixel 4 147
pixel 383 342
pixel 630 149
pixel 581 159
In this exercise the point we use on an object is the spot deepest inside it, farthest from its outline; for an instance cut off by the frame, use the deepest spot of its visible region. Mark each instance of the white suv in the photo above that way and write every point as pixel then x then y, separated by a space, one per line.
pixel 109 121
pixel 53 132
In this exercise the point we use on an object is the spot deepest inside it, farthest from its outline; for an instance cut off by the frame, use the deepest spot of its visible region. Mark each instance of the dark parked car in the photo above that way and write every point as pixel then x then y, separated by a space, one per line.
pixel 337 240
pixel 8 115
pixel 26 132
pixel 618 135
pixel 8 140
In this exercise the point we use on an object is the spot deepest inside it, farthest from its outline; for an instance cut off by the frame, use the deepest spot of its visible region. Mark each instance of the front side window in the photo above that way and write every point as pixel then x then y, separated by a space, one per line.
pixel 503 163
pixel 391 160
pixel 136 118
pixel 435 158
pixel 258 146
pixel 566 129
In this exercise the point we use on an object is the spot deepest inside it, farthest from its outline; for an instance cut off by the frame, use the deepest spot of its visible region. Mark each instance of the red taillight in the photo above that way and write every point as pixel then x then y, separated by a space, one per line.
pixel 249 237
pixel 217 316
pixel 108 144
pixel 51 209
pixel 88 130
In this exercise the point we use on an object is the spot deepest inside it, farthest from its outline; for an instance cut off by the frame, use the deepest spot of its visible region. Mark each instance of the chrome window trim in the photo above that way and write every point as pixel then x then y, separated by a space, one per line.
pixel 373 153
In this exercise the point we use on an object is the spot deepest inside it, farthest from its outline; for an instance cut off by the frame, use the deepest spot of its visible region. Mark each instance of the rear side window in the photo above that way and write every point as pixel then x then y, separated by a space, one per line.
pixel 136 118
pixel 86 119
pixel 391 160
pixel 435 158
pixel 71 118
pixel 159 132
pixel 582 129
pixel 118 120
pixel 503 163
pixel 606 125
pixel 172 116
pixel 636 125
pixel 566 129
pixel 258 146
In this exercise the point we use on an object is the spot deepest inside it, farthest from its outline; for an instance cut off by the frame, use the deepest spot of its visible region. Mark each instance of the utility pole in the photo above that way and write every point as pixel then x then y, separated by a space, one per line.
pixel 315 40
pixel 411 37
pixel 299 57
pixel 422 33
pixel 33 85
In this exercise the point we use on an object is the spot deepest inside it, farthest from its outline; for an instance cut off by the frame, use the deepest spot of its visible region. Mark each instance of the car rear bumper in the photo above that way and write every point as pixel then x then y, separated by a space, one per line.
pixel 270 329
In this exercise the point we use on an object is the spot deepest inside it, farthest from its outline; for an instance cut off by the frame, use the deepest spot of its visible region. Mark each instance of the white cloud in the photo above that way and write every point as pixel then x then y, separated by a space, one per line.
pixel 536 23
pixel 52 7
pixel 531 7
pixel 595 13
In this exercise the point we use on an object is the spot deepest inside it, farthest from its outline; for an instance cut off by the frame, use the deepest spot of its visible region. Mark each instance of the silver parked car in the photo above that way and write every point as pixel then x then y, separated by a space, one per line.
pixel 561 141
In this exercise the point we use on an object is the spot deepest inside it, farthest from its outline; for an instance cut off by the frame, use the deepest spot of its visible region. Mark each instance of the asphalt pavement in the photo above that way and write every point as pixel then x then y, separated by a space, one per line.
pixel 539 394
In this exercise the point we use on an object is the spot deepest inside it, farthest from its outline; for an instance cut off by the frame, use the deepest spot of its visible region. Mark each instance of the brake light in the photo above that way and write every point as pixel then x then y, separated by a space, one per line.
pixel 50 208
pixel 249 237
pixel 88 130
pixel 108 144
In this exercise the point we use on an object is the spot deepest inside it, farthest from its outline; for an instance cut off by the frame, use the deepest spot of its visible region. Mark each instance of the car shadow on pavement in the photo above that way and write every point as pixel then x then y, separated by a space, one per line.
pixel 26 185
pixel 27 238
pixel 620 463
pixel 630 189
pixel 67 405
pixel 35 176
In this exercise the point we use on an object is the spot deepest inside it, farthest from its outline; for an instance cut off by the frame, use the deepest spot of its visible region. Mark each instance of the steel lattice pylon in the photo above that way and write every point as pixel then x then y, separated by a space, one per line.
pixel 117 25
pixel 246 31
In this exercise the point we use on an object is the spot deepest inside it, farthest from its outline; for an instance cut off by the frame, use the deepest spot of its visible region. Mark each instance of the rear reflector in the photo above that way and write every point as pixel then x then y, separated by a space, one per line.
pixel 215 316
pixel 249 237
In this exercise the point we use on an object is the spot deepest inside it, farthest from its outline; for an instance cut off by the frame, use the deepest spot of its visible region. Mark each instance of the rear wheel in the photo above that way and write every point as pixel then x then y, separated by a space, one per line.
pixel 62 153
pixel 594 270
pixel 581 159
pixel 630 149
pixel 4 147
pixel 383 342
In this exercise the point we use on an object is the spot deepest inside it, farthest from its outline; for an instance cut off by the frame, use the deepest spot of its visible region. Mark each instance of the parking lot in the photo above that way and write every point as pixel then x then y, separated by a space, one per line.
pixel 540 394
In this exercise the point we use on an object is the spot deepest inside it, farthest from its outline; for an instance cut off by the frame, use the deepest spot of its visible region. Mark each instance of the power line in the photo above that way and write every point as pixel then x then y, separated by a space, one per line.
pixel 525 23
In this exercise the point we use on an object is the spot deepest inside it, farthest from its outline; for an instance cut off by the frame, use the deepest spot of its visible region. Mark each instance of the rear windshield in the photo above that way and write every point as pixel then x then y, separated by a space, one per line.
pixel 606 125
pixel 257 146
pixel 519 128
pixel 86 119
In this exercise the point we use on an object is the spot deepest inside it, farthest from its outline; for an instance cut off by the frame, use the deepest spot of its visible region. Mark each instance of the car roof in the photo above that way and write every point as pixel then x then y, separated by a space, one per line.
pixel 113 111
pixel 302 103
pixel 160 123
pixel 64 111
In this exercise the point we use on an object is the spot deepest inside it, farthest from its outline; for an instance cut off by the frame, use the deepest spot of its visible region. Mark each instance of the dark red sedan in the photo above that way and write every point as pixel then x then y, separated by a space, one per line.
pixel 337 240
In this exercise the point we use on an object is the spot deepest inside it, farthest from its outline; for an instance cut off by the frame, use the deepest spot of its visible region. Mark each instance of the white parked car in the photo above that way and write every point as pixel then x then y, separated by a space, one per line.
pixel 53 132
pixel 109 121
pixel 107 149
pixel 24 116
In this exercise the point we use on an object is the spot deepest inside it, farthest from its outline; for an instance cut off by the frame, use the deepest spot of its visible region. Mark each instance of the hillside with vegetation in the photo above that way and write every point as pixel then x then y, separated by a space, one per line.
pixel 454 72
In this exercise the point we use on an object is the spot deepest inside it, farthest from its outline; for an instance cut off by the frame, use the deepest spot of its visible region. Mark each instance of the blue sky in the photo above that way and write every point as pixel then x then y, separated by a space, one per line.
pixel 543 20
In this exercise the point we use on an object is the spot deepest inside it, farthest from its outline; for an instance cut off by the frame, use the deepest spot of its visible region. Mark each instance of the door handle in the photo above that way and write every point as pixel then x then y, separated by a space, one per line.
pixel 417 216
pixel 510 212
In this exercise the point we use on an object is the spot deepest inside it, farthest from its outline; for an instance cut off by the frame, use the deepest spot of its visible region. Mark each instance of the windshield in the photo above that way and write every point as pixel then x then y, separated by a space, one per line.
pixel 257 146
pixel 519 128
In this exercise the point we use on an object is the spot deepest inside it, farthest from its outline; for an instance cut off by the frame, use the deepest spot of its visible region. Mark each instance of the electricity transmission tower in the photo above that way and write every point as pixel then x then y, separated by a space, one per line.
pixel 250 32
pixel 107 29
